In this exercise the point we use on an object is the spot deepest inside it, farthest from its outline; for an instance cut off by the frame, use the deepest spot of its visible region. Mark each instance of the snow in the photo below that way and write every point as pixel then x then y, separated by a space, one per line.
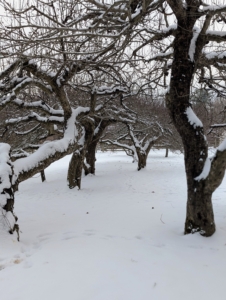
pixel 219 33
pixel 222 146
pixel 211 8
pixel 216 55
pixel 49 149
pixel 167 29
pixel 5 169
pixel 192 47
pixel 161 55
pixel 120 237
pixel 6 218
pixel 37 117
pixel 192 118
pixel 205 171
pixel 37 104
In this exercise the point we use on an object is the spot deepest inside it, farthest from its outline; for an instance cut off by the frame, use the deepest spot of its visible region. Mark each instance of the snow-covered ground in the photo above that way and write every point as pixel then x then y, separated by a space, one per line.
pixel 119 238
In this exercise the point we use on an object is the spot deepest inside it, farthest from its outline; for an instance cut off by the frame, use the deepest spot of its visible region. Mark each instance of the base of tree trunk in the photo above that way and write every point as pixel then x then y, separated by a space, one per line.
pixel 8 207
pixel 75 170
pixel 167 152
pixel 142 160
pixel 91 158
pixel 43 176
pixel 200 217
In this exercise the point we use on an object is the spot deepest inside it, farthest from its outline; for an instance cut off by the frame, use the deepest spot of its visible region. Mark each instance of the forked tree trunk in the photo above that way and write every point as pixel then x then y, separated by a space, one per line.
pixel 77 160
pixel 200 217
pixel 92 145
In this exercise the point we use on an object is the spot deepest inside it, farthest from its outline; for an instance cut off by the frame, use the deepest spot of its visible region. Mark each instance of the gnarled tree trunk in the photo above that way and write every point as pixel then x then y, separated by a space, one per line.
pixel 75 169
pixel 142 159
pixel 200 215
pixel 89 167
pixel 77 160
pixel 7 191
pixel 91 157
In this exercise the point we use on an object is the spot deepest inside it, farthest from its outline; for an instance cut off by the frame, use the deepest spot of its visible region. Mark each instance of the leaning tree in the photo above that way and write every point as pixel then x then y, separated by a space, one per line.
pixel 49 49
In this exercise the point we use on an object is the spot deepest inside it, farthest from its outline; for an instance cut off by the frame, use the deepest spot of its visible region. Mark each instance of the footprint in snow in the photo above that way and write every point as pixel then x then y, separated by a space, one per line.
pixel 68 235
pixel 44 237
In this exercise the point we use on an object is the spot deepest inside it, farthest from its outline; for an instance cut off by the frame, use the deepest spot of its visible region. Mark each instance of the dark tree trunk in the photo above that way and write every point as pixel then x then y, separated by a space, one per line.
pixel 199 216
pixel 92 144
pixel 142 160
pixel 75 169
pixel 43 176
pixel 167 152
pixel 91 157
pixel 142 155
pixel 199 206
pixel 77 160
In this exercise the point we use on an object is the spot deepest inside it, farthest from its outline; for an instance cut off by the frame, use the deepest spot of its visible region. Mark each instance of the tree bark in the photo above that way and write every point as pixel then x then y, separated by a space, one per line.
pixel 77 161
pixel 75 169
pixel 7 191
pixel 167 152
pixel 200 217
pixel 92 144
pixel 142 160
pixel 43 176
pixel 91 157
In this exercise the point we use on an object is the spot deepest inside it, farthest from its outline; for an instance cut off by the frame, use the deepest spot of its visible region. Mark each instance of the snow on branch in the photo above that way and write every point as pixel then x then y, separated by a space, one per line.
pixel 214 169
pixel 49 152
pixel 192 47
pixel 212 9
pixel 205 171
pixel 216 55
pixel 6 193
pixel 9 69
pixel 218 125
pixel 217 169
pixel 109 89
pixel 222 146
pixel 5 170
pixel 162 55
pixel 36 117
pixel 192 118
pixel 38 104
